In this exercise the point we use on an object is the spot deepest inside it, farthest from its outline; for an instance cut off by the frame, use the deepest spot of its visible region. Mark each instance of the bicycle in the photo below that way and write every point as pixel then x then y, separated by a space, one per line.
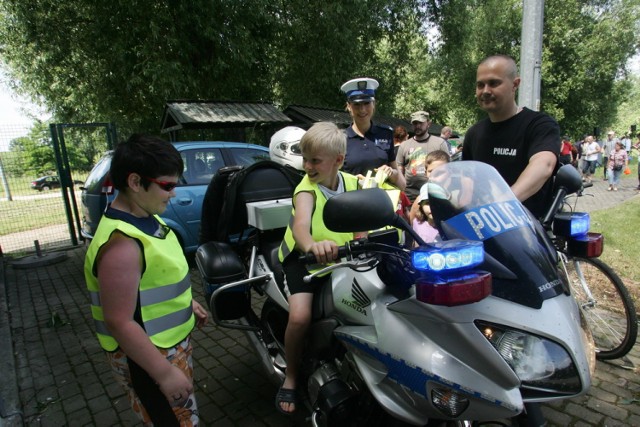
pixel 603 297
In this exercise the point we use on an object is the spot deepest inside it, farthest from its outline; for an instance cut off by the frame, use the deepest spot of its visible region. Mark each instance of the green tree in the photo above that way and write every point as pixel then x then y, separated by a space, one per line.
pixel 121 61
pixel 33 153
pixel 629 109
pixel 585 48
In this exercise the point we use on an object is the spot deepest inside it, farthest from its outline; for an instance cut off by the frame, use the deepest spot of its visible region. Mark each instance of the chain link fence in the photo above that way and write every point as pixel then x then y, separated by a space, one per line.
pixel 32 211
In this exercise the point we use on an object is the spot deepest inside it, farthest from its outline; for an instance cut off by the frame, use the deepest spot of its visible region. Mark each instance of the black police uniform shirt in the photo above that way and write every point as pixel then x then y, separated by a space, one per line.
pixel 508 146
pixel 368 153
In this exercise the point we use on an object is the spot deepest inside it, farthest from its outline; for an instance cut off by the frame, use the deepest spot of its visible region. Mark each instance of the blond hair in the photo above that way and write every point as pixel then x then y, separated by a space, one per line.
pixel 324 137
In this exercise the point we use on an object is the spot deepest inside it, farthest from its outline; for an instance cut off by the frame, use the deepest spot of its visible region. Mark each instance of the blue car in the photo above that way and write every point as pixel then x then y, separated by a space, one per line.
pixel 202 159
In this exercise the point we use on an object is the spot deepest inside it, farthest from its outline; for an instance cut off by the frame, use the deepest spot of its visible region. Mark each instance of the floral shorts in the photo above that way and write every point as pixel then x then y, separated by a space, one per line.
pixel 179 356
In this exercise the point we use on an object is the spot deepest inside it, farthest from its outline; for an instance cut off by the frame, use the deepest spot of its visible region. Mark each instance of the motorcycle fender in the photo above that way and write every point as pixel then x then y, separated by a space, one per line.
pixel 402 381
pixel 559 319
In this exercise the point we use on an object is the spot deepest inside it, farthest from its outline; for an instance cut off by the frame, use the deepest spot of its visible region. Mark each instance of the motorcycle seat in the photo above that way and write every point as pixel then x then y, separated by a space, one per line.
pixel 322 297
pixel 270 243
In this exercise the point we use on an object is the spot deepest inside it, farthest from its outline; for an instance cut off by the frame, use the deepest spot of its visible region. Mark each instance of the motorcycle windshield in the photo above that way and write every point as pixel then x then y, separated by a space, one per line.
pixel 470 200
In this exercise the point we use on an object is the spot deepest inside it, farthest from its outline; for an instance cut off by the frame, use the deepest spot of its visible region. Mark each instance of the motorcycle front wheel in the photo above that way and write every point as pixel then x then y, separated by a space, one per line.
pixel 607 305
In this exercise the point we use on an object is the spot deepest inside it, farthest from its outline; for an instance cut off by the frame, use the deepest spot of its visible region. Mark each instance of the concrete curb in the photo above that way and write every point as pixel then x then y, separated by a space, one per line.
pixel 10 408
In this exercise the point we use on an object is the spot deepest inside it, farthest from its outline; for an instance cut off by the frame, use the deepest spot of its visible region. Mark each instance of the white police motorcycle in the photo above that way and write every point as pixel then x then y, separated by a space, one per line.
pixel 477 327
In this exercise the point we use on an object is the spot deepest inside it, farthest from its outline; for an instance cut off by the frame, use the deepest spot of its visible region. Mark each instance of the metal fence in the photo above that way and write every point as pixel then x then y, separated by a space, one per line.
pixel 32 213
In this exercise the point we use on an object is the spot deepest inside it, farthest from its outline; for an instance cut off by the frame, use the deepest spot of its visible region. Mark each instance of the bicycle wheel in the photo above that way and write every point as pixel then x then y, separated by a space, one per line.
pixel 607 306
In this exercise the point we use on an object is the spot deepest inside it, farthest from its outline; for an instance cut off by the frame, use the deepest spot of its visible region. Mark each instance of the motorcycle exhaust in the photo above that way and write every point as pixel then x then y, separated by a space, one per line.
pixel 333 397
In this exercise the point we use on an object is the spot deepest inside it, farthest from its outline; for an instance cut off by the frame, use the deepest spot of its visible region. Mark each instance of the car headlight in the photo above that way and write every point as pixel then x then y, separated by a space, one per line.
pixel 543 366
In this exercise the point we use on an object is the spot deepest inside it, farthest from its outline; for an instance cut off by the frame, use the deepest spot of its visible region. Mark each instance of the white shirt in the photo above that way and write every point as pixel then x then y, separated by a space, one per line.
pixel 591 152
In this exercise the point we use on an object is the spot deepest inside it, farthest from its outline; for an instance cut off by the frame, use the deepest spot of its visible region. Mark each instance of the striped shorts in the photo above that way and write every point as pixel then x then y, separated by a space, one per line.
pixel 145 397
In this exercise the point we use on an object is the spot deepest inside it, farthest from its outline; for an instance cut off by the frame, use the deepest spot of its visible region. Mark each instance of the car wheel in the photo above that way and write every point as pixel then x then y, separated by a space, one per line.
pixel 45 188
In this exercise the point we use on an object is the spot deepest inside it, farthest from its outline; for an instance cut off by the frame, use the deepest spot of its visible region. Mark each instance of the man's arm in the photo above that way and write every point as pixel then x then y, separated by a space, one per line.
pixel 539 169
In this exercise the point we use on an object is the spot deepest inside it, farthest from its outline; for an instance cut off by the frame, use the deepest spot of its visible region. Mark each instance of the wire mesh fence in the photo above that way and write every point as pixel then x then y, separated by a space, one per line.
pixel 32 211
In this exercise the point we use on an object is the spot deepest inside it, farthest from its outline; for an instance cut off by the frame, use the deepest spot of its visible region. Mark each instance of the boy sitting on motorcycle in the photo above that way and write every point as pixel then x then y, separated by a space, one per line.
pixel 323 149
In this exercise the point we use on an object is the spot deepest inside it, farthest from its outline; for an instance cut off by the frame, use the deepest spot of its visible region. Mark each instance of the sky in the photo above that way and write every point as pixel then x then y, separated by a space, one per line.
pixel 15 114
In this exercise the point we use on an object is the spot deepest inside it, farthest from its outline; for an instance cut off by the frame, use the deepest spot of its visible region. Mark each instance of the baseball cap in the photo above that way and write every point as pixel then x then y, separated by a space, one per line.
pixel 420 116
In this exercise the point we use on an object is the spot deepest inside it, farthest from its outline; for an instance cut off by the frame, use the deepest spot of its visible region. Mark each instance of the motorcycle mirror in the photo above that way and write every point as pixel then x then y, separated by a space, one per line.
pixel 568 178
pixel 360 210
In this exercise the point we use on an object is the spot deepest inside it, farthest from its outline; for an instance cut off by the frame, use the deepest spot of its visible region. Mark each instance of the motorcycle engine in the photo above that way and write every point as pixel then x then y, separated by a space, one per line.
pixel 332 396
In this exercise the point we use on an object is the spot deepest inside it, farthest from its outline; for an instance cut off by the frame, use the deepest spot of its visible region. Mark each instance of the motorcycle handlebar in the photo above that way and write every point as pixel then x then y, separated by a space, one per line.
pixel 349 248
pixel 557 202
pixel 310 258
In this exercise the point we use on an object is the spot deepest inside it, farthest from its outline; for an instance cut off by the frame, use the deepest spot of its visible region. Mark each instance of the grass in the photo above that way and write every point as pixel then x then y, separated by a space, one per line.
pixel 621 231
pixel 21 186
pixel 25 215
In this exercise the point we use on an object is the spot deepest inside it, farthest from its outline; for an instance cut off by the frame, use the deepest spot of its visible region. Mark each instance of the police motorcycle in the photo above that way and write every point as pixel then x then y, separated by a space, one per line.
pixel 479 326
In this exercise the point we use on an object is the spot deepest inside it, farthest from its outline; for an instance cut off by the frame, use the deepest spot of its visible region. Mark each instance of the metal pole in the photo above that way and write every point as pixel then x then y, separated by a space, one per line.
pixel 531 54
pixel 5 182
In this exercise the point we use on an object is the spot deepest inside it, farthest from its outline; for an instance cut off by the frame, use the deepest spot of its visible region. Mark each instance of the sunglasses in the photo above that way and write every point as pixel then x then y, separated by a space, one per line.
pixel 165 185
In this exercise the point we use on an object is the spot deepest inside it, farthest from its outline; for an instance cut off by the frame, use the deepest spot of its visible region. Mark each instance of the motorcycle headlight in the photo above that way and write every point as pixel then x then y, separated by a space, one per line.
pixel 543 366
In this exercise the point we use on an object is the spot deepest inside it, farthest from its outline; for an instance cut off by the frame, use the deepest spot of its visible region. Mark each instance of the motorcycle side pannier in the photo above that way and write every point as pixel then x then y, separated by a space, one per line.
pixel 219 265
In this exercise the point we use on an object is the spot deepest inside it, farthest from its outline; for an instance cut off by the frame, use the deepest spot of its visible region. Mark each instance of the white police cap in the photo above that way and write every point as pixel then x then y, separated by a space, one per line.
pixel 361 89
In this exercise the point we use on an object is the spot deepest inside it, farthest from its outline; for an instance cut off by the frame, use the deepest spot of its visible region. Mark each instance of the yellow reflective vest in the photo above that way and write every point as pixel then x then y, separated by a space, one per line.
pixel 164 291
pixel 318 230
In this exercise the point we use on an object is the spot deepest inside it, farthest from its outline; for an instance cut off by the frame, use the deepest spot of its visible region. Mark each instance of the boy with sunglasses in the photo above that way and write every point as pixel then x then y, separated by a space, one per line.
pixel 138 280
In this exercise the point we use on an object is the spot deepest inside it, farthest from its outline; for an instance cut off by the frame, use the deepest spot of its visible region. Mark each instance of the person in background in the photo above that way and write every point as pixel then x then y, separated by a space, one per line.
pixel 445 133
pixel 400 135
pixel 522 144
pixel 566 155
pixel 413 152
pixel 590 150
pixel 607 147
pixel 578 148
pixel 626 143
pixel 618 161
pixel 637 147
pixel 323 150
pixel 138 281
pixel 369 145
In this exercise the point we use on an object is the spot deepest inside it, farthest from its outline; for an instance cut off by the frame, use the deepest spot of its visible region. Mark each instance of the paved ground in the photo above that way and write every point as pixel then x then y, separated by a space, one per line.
pixel 53 372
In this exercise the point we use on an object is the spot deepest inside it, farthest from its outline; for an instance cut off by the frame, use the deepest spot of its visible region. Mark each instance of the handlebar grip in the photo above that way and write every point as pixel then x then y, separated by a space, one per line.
pixel 310 258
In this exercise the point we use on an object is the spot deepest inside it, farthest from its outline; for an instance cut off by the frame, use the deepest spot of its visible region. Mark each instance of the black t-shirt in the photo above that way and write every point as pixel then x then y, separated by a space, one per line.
pixel 368 153
pixel 508 146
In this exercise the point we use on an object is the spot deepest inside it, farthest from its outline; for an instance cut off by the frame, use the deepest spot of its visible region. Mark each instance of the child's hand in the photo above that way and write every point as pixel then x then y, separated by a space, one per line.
pixel 325 251
pixel 387 170
pixel 201 314
pixel 426 210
